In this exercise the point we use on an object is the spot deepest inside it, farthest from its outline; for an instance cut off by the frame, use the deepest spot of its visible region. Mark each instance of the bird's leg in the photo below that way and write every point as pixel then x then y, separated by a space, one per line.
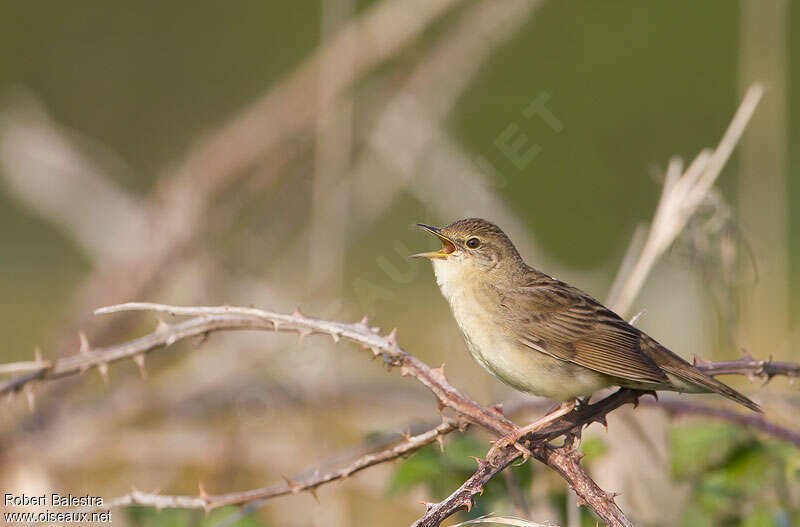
pixel 512 438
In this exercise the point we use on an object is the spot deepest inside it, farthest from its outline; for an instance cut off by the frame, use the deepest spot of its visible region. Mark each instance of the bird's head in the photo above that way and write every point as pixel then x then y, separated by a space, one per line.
pixel 472 243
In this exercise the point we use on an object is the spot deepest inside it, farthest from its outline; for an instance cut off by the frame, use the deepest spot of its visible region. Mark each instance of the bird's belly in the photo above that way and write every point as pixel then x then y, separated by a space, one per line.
pixel 519 366
pixel 532 371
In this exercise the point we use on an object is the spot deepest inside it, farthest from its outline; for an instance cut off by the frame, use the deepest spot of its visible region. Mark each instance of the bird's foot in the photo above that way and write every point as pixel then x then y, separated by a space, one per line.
pixel 514 437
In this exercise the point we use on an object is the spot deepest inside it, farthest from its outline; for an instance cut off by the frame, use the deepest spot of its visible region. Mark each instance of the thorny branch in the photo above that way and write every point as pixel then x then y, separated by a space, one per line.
pixel 208 502
pixel 209 319
pixel 249 319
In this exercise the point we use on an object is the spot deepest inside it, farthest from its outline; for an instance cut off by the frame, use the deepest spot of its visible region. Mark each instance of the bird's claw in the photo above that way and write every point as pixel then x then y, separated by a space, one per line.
pixel 511 439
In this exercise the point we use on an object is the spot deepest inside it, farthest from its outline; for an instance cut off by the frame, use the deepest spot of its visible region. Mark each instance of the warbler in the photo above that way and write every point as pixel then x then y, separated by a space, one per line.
pixel 543 336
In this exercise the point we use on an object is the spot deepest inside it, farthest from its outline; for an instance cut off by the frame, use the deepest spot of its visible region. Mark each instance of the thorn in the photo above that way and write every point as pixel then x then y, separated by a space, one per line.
pixel 611 495
pixel 392 337
pixel 84 343
pixel 375 352
pixel 313 491
pixel 31 397
pixel 303 333
pixel 428 505
pixel 294 486
pixel 336 338
pixel 482 463
pixel 199 342
pixel 405 370
pixel 468 503
pixel 203 493
pixel 746 354
pixel 10 397
pixel 276 325
pixel 297 313
pixel 440 440
pixel 204 496
pixel 139 360
pixel 364 322
pixel 161 326
pixel 37 354
pixel 439 373
pixel 600 419
pixel 102 367
pixel 407 435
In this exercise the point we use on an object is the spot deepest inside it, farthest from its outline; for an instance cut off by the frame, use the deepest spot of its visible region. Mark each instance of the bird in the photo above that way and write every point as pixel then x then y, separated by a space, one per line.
pixel 543 336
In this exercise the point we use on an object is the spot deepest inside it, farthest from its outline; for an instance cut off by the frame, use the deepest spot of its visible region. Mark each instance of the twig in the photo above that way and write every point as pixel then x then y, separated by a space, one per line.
pixel 517 496
pixel 210 319
pixel 751 368
pixel 212 501
pixel 681 196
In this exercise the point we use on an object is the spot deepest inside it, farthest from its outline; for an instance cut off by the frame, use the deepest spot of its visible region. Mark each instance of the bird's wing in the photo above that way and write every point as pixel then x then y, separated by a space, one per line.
pixel 554 318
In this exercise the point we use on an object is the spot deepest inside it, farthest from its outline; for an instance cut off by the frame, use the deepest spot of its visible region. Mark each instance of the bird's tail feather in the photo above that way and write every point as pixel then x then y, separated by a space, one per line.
pixel 696 377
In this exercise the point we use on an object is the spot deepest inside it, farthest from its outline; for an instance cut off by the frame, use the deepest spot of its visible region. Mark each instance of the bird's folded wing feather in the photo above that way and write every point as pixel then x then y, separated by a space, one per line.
pixel 559 320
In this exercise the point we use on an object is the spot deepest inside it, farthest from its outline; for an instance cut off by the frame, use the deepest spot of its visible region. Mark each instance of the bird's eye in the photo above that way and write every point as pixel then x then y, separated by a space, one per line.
pixel 473 243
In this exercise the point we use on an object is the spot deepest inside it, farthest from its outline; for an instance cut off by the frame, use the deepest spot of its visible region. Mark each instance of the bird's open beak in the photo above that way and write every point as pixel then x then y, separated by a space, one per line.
pixel 448 246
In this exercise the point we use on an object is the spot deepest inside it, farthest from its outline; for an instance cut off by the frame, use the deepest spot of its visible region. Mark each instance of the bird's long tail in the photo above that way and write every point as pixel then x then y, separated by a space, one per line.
pixel 692 375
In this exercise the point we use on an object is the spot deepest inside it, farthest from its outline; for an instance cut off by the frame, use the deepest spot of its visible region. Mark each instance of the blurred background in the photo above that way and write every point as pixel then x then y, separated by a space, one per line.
pixel 277 154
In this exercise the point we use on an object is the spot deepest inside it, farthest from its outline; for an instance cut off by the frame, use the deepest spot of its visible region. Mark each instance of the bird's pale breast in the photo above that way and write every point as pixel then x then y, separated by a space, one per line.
pixel 477 313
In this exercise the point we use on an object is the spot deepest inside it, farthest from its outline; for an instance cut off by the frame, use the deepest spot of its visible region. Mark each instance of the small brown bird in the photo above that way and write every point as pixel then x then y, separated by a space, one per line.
pixel 543 336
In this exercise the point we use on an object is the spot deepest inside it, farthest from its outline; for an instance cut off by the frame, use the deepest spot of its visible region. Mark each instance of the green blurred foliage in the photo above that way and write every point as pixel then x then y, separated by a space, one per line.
pixel 735 478
pixel 149 517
